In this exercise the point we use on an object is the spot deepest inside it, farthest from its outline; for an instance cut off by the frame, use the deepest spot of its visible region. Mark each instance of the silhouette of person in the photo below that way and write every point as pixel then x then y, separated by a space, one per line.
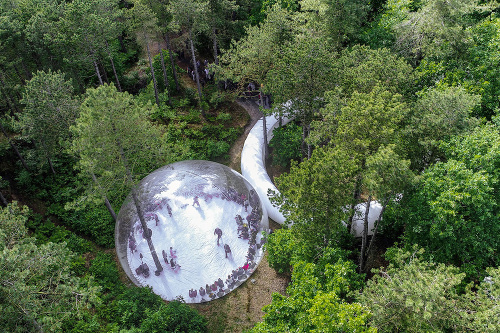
pixel 218 232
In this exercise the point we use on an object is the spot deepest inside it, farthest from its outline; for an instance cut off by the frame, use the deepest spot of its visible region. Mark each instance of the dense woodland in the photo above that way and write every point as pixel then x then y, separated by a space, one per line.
pixel 393 100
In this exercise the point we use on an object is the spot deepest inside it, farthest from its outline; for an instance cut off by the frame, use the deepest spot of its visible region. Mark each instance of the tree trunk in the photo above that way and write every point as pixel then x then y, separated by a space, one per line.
pixel 264 125
pixel 114 68
pixel 309 147
pixel 51 166
pixel 104 74
pixel 147 233
pixel 365 236
pixel 152 71
pixel 21 78
pixel 214 36
pixel 356 196
pixel 197 76
pixel 172 63
pixel 303 144
pixel 3 200
pixel 9 103
pixel 123 48
pixel 106 201
pixel 377 223
pixel 97 72
pixel 165 77
pixel 14 147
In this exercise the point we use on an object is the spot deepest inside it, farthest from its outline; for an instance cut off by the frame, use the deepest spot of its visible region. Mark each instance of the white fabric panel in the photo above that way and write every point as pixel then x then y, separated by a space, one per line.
pixel 359 217
pixel 253 168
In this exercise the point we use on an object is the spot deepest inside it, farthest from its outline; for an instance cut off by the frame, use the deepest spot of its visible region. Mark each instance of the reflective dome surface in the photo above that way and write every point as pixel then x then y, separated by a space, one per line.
pixel 201 232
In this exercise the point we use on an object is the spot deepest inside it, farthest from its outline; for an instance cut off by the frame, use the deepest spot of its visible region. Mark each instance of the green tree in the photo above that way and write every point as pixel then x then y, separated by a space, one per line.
pixel 37 289
pixel 360 127
pixel 435 28
pixel 452 214
pixel 302 72
pixel 144 23
pixel 451 211
pixel 3 184
pixel 340 20
pixel 438 114
pixel 131 306
pixel 219 18
pixel 313 197
pixel 174 317
pixel 251 58
pixel 386 178
pixel 485 301
pixel 191 15
pixel 14 147
pixel 484 77
pixel 117 145
pixel 87 28
pixel 286 143
pixel 49 112
pixel 413 295
pixel 360 69
pixel 164 18
pixel 316 299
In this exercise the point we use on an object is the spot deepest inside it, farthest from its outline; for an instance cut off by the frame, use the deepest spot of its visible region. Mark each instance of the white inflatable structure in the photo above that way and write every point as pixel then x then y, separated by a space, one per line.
pixel 253 164
pixel 254 170
pixel 204 224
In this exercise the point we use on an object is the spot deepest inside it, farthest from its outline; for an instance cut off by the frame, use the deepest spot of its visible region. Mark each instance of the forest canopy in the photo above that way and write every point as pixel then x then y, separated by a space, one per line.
pixel 393 101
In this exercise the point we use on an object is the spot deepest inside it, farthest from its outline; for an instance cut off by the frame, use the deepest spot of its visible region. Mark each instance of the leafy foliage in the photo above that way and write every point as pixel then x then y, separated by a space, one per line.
pixel 286 144
pixel 314 194
pixel 315 302
pixel 115 141
pixel 452 210
pixel 133 304
pixel 104 270
pixel 404 296
pixel 414 295
pixel 174 317
pixel 50 110
pixel 37 290
pixel 438 114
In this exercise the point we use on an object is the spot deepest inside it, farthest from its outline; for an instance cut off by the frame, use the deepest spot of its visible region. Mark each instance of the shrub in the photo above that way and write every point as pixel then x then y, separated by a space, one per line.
pixel 78 244
pixel 131 306
pixel 280 248
pixel 78 265
pixel 104 270
pixel 217 149
pixel 286 144
pixel 174 317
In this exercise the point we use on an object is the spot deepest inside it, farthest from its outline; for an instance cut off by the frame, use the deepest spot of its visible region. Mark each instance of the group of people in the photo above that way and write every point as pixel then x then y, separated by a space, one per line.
pixel 227 248
pixel 204 72
pixel 213 290
pixel 220 288
pixel 152 207
pixel 172 262
pixel 143 268
pixel 250 228
pixel 247 229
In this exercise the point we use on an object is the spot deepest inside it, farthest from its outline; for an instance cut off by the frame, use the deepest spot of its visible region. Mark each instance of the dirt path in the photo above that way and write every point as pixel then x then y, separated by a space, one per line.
pixel 255 114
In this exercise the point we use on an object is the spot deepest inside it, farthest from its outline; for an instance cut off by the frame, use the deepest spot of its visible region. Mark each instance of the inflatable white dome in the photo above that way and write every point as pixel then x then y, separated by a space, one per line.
pixel 201 235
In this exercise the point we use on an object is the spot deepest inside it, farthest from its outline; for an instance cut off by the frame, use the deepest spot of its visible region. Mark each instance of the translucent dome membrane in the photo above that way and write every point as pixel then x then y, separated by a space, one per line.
pixel 205 224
